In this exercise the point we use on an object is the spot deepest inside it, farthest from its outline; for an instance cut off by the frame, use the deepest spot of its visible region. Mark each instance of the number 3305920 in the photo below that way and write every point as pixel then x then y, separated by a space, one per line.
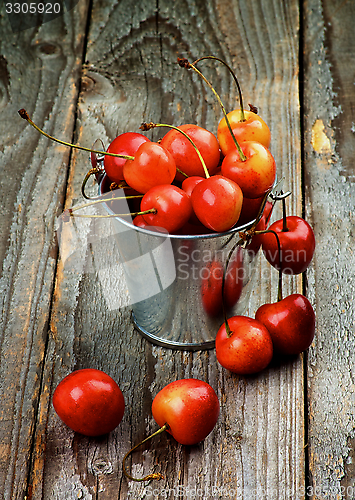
pixel 33 8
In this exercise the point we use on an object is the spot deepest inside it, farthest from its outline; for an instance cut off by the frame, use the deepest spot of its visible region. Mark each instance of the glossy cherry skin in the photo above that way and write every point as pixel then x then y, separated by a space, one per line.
pixel 188 186
pixel 212 284
pixel 248 350
pixel 172 204
pixel 190 407
pixel 256 175
pixel 190 183
pixel 185 156
pixel 125 144
pixel 152 165
pixel 297 245
pixel 89 402
pixel 253 128
pixel 217 202
pixel 290 322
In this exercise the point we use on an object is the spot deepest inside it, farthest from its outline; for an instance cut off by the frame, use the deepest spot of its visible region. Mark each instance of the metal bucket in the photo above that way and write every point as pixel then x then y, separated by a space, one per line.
pixel 175 281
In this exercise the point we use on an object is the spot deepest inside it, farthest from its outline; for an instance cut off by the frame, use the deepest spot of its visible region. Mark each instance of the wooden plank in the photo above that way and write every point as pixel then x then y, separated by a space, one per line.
pixel 329 171
pixel 39 70
pixel 257 446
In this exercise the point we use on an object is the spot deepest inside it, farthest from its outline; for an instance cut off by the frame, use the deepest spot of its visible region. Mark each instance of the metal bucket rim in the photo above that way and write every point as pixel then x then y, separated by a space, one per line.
pixel 129 225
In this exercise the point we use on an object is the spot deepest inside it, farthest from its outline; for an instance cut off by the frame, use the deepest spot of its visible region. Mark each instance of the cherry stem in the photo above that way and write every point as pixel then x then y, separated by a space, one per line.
pixel 184 63
pixel 242 115
pixel 154 475
pixel 23 113
pixel 284 218
pixel 106 200
pixel 70 211
pixel 279 291
pixel 148 126
pixel 131 214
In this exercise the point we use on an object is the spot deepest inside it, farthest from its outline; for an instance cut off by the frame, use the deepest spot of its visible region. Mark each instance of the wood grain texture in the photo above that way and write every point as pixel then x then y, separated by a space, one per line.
pixel 131 75
pixel 330 204
pixel 40 68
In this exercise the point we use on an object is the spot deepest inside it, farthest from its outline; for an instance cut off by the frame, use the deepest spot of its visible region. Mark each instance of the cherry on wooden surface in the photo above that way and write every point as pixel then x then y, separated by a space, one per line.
pixel 243 345
pixel 190 408
pixel 89 402
pixel 290 322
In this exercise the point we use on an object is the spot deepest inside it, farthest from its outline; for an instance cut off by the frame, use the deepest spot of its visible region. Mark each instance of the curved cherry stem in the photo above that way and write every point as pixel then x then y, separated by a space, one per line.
pixel 150 125
pixel 154 475
pixel 242 115
pixel 23 113
pixel 184 63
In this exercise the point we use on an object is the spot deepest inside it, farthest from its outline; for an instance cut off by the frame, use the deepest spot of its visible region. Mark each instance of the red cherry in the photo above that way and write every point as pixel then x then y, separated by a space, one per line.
pixel 190 183
pixel 125 144
pixel 247 350
pixel 139 221
pixel 172 205
pixel 212 284
pixel 152 165
pixel 211 288
pixel 255 175
pixel 190 407
pixel 256 241
pixel 184 154
pixel 188 186
pixel 217 202
pixel 290 322
pixel 297 245
pixel 89 402
pixel 253 128
pixel 234 279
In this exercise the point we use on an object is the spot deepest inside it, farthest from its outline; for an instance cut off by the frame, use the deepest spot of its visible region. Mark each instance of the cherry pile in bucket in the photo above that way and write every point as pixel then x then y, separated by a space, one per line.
pixel 194 182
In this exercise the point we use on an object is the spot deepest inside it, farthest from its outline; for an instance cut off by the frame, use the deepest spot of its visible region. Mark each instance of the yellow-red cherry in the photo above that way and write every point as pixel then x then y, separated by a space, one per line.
pixel 190 407
pixel 255 175
pixel 125 144
pixel 89 401
pixel 252 128
pixel 152 165
pixel 185 155
pixel 248 349
pixel 217 202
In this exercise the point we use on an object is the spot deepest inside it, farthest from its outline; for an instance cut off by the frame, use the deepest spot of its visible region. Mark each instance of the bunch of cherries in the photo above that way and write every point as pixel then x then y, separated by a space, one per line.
pixel 193 182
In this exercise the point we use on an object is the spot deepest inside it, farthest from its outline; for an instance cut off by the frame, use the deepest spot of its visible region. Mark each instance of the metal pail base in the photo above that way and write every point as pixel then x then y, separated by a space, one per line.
pixel 161 342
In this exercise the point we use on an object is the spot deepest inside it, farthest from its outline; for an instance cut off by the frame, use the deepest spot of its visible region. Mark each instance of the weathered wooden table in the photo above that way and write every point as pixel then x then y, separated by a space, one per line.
pixel 100 69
